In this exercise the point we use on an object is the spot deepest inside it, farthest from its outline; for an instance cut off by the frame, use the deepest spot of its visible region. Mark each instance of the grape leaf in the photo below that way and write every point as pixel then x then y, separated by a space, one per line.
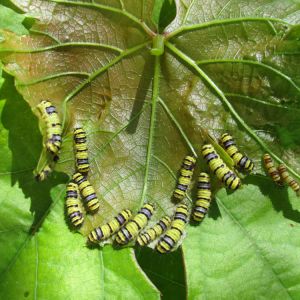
pixel 259 258
pixel 227 66
pixel 50 263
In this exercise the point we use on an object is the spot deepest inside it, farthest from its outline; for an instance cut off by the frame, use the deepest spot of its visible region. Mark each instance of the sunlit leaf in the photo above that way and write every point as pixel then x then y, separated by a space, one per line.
pixel 226 67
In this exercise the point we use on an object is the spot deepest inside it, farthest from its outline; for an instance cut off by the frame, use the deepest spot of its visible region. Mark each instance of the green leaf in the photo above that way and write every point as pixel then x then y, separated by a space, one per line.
pixel 12 21
pixel 251 250
pixel 225 66
pixel 165 271
pixel 163 13
pixel 35 262
pixel 55 264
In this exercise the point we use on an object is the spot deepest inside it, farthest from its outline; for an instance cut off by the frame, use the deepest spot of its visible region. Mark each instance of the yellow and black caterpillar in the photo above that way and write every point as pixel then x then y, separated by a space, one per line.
pixel 173 235
pixel 185 177
pixel 240 160
pixel 219 168
pixel 134 226
pixel 287 178
pixel 271 169
pixel 107 230
pixel 74 210
pixel 44 173
pixel 87 191
pixel 203 197
pixel 54 128
pixel 154 232
pixel 81 153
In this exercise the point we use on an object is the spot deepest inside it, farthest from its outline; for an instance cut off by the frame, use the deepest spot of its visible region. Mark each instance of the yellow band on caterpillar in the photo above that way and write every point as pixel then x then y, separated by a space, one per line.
pixel 154 232
pixel 287 178
pixel 203 197
pixel 218 167
pixel 240 160
pixel 74 210
pixel 131 230
pixel 44 173
pixel 185 177
pixel 173 235
pixel 271 169
pixel 87 191
pixel 81 151
pixel 107 230
pixel 53 126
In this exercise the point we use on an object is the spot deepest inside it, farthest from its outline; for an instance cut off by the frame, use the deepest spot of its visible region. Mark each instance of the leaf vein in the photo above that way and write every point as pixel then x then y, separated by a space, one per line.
pixel 254 244
pixel 225 101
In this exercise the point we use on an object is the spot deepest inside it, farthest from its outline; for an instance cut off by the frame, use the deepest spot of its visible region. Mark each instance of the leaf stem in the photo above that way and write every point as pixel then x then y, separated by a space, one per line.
pixel 193 27
pixel 54 76
pixel 31 30
pixel 234 95
pixel 155 94
pixel 63 45
pixel 225 101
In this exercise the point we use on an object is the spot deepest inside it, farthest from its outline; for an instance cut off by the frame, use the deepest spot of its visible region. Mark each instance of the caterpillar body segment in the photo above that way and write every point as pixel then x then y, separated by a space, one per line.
pixel 74 210
pixel 154 232
pixel 81 151
pixel 203 197
pixel 271 169
pixel 185 177
pixel 173 235
pixel 44 173
pixel 288 179
pixel 53 126
pixel 218 167
pixel 131 230
pixel 87 191
pixel 240 160
pixel 107 230
pixel 220 150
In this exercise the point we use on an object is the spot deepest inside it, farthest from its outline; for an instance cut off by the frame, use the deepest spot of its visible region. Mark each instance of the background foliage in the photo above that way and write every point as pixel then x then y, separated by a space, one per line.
pixel 227 66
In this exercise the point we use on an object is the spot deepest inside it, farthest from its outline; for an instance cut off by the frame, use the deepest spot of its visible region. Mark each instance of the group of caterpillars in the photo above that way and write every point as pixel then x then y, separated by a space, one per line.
pixel 80 183
pixel 218 167
pixel 124 225
pixel 127 227
pixel 280 175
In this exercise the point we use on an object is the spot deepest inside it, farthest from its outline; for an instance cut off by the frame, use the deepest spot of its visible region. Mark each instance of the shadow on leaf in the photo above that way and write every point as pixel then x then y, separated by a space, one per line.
pixel 278 196
pixel 144 84
pixel 165 271
pixel 25 143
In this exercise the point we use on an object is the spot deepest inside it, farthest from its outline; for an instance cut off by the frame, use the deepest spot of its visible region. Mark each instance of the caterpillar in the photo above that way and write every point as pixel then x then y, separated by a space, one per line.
pixel 87 192
pixel 173 235
pixel 81 154
pixel 154 232
pixel 240 160
pixel 74 210
pixel 54 128
pixel 185 177
pixel 219 168
pixel 271 169
pixel 107 230
pixel 44 173
pixel 286 177
pixel 133 227
pixel 203 197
